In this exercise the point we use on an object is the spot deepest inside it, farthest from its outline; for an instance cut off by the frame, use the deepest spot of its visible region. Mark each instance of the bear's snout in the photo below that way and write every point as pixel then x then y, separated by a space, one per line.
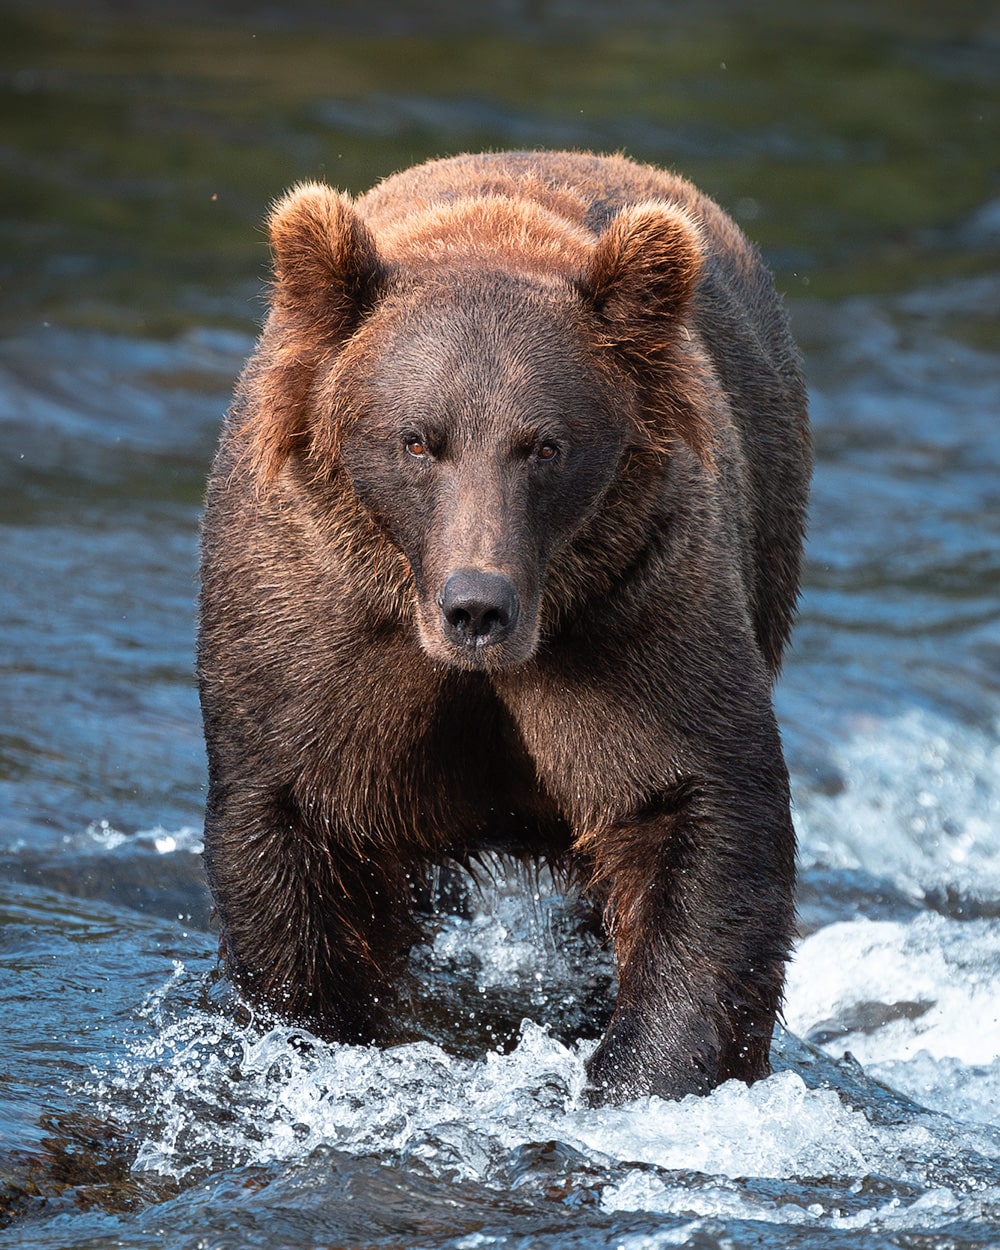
pixel 478 609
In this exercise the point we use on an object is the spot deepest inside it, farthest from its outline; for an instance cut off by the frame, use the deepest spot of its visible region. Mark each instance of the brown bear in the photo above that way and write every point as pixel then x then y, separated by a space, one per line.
pixel 500 554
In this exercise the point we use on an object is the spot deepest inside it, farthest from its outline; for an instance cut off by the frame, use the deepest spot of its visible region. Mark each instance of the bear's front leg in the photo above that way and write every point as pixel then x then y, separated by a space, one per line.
pixel 312 932
pixel 699 903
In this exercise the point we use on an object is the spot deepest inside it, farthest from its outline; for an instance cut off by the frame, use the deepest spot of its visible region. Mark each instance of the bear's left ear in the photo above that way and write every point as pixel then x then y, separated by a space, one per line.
pixel 327 272
pixel 644 267
pixel 639 281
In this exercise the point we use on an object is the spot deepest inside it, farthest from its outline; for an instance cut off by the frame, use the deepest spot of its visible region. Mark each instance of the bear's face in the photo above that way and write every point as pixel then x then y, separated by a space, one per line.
pixel 481 435
pixel 477 372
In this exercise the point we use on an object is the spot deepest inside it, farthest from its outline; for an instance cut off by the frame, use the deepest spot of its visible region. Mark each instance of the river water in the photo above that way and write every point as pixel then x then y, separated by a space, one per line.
pixel 859 145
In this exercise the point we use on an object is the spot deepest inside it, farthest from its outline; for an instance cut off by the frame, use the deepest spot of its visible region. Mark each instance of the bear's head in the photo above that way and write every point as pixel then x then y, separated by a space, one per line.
pixel 476 375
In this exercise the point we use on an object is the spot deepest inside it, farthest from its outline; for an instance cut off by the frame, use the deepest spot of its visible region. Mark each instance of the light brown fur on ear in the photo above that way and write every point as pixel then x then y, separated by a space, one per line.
pixel 639 281
pixel 327 278
pixel 645 263
pixel 326 265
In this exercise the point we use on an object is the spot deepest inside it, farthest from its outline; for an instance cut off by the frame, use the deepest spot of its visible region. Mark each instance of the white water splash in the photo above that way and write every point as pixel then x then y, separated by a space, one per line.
pixel 208 1095
pixel 920 804
pixel 102 834
pixel 917 1004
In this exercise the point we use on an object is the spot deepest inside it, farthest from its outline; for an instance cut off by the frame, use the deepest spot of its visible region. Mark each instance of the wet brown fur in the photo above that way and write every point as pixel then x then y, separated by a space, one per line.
pixel 488 306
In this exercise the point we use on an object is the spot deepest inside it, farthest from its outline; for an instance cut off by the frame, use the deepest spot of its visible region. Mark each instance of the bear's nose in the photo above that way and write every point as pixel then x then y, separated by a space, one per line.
pixel 478 608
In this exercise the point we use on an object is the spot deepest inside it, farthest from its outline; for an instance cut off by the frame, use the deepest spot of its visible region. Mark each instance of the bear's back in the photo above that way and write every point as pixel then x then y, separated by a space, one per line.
pixel 736 293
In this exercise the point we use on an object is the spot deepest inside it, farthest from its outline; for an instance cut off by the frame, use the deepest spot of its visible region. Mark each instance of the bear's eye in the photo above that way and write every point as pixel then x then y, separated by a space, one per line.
pixel 546 451
pixel 416 448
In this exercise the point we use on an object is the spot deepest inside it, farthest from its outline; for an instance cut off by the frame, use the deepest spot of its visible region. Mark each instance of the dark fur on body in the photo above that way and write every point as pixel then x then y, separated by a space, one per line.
pixel 568 380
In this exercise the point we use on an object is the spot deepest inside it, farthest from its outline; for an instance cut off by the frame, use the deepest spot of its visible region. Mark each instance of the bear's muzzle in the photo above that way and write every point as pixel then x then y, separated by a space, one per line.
pixel 478 609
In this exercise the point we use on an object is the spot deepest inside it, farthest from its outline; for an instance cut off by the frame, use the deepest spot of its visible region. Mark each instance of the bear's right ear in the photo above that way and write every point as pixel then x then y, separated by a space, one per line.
pixel 327 272
pixel 327 278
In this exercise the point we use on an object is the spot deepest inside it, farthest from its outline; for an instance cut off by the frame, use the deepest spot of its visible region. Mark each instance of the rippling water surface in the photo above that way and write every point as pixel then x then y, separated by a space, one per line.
pixel 859 146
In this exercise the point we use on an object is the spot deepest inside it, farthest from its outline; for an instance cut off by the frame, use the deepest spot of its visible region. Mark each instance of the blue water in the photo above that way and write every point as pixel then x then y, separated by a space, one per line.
pixel 860 148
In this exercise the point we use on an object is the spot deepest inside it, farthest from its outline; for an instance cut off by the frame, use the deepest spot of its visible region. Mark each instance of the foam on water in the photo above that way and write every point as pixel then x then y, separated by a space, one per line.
pixel 508 935
pixel 935 978
pixel 914 1002
pixel 103 834
pixel 209 1095
pixel 204 1094
pixel 919 802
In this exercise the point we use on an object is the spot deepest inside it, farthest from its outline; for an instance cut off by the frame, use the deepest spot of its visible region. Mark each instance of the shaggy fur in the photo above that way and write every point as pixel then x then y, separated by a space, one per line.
pixel 501 551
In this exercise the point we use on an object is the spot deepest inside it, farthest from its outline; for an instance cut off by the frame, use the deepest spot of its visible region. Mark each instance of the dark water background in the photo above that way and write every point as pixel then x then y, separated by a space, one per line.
pixel 140 145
